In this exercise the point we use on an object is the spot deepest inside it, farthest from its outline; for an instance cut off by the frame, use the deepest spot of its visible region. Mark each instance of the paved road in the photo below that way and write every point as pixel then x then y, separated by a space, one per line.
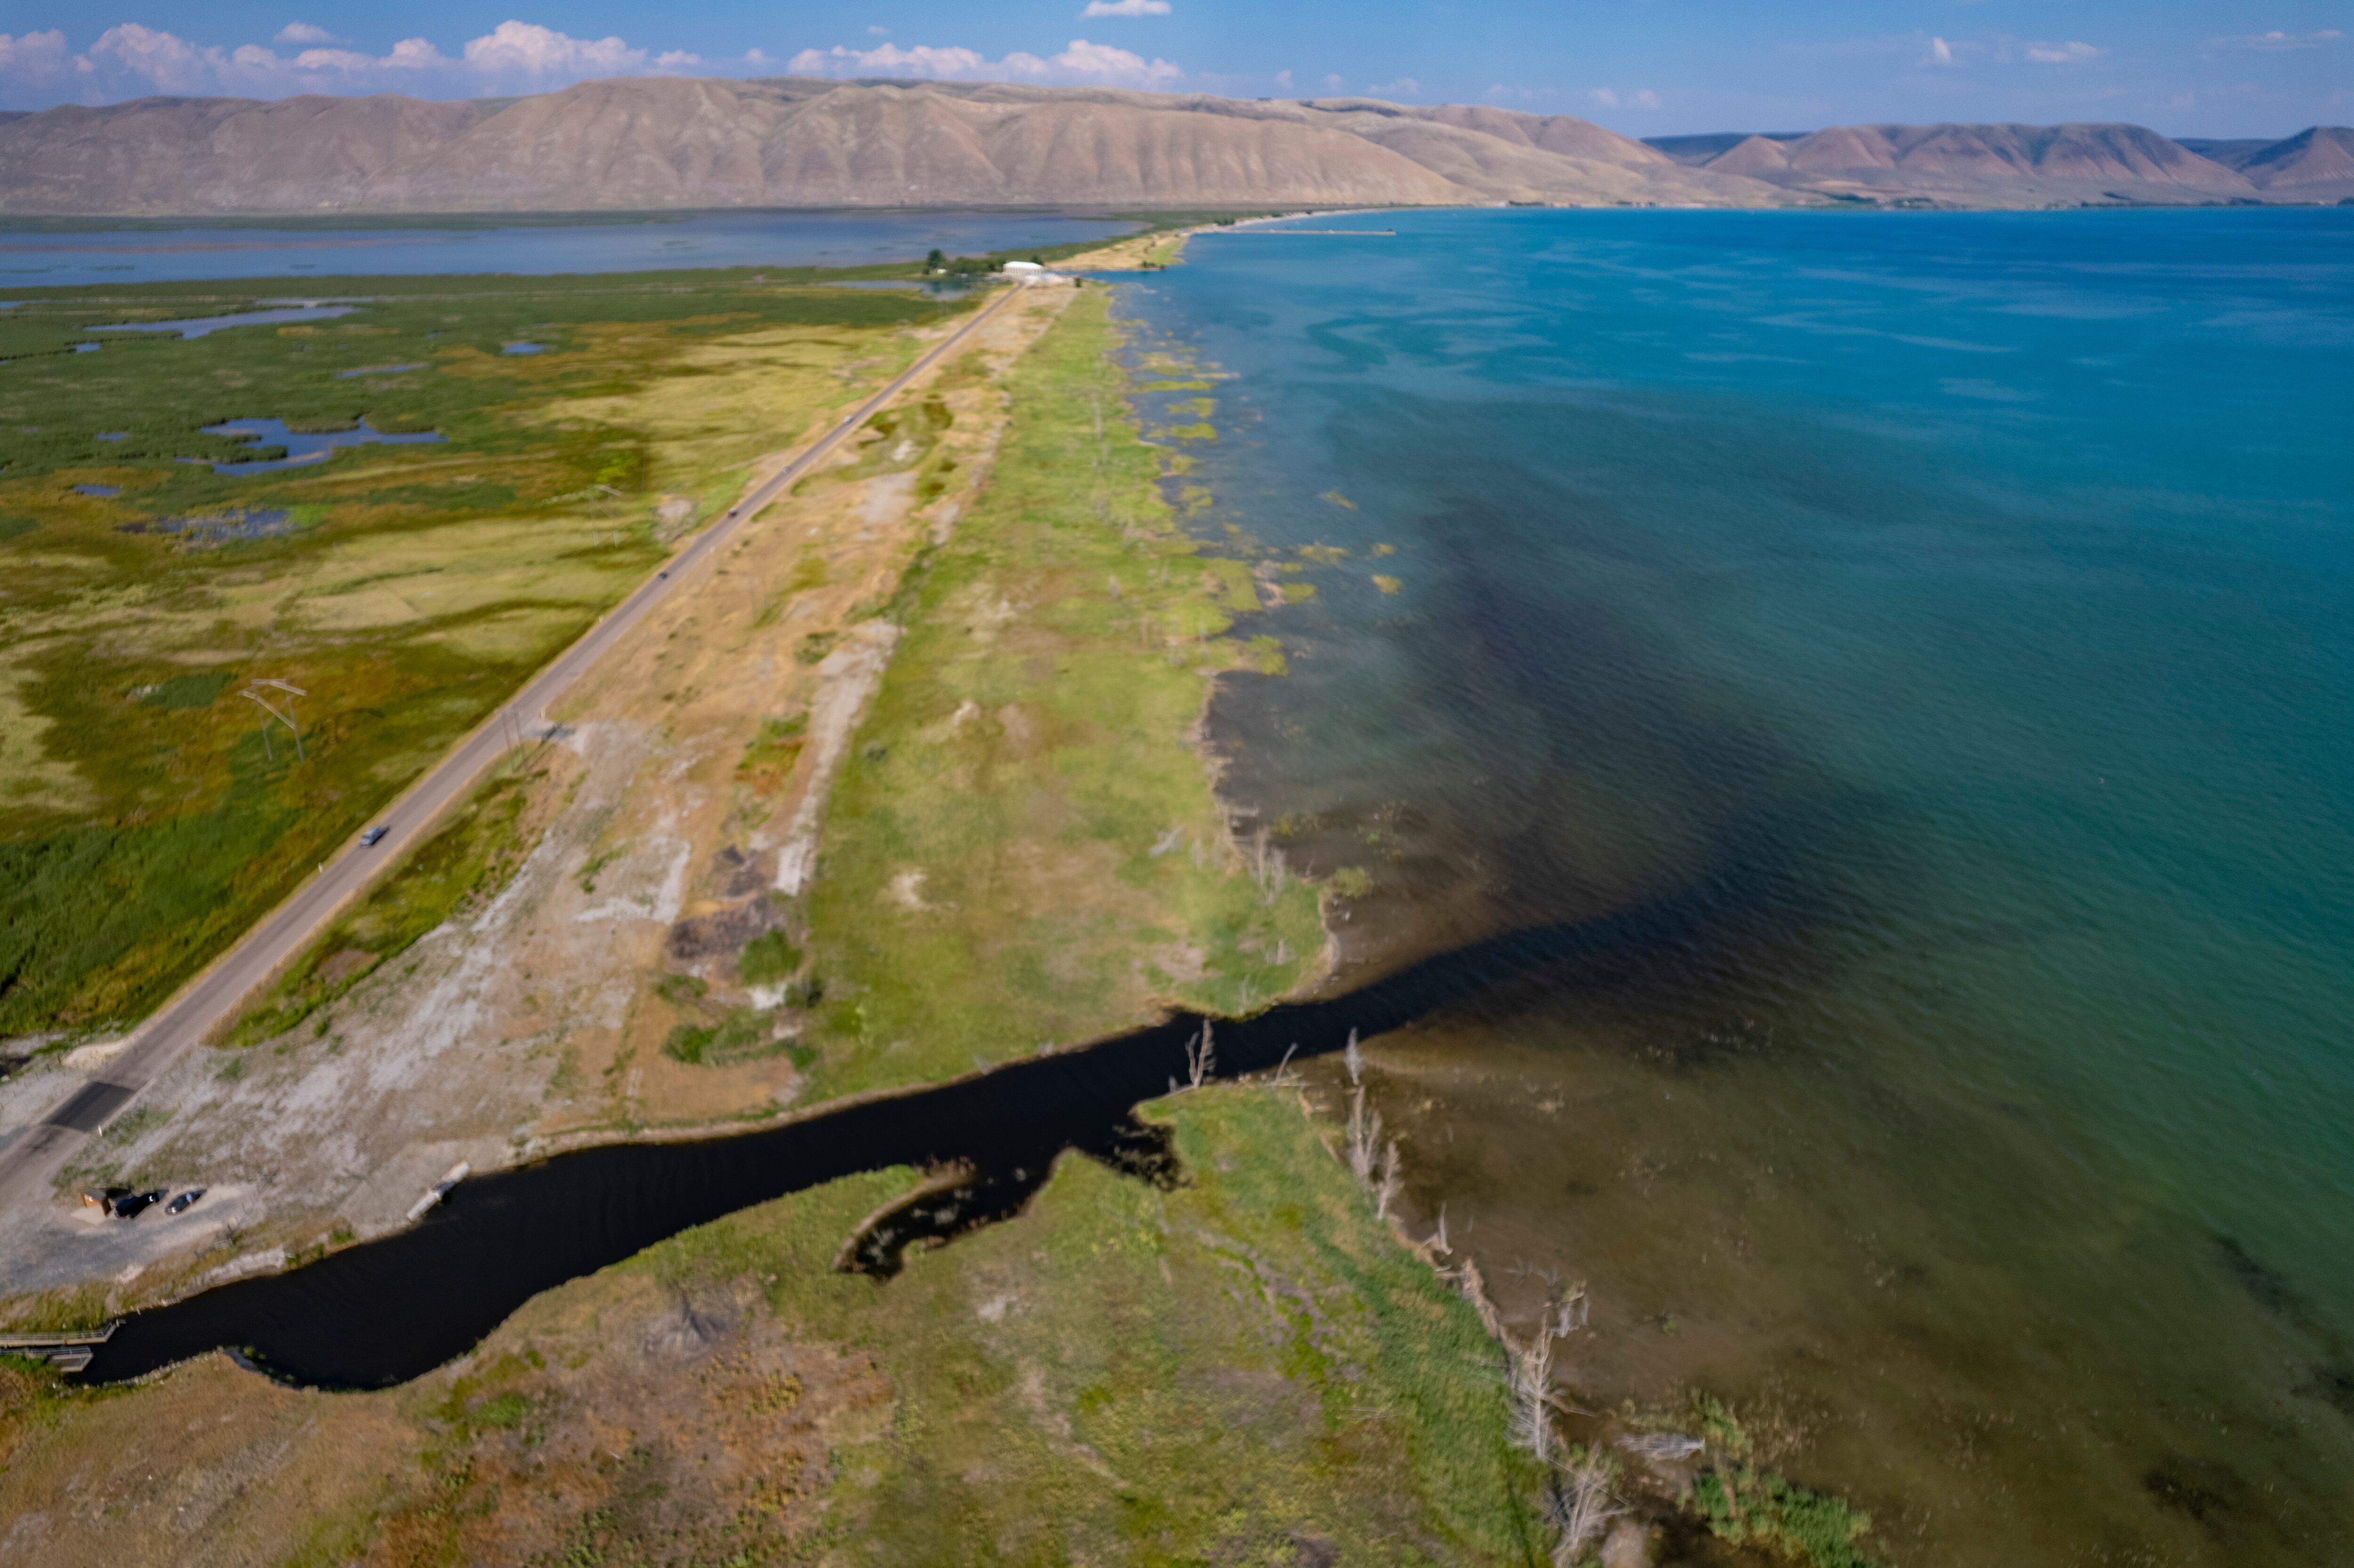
pixel 29 1162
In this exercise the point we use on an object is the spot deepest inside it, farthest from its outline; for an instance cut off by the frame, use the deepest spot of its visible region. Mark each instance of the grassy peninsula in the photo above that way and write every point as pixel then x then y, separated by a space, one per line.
pixel 1023 848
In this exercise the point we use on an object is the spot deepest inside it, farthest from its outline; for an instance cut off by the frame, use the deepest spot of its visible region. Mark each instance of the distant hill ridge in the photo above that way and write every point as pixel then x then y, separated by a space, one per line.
pixel 641 143
pixel 651 142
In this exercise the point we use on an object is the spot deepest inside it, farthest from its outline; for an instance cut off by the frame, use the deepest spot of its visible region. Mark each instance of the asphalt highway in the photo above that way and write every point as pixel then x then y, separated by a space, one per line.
pixel 28 1161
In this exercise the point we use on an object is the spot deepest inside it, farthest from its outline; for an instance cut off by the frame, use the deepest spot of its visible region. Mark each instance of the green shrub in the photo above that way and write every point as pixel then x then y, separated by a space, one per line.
pixel 500 1411
pixel 738 1037
pixel 687 1043
pixel 768 958
pixel 680 990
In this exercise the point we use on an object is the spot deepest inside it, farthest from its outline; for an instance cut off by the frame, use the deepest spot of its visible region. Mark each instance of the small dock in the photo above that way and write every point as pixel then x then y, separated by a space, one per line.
pixel 67 1353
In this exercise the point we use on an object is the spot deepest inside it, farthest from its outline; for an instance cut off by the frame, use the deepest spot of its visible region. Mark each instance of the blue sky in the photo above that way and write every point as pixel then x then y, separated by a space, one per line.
pixel 1645 66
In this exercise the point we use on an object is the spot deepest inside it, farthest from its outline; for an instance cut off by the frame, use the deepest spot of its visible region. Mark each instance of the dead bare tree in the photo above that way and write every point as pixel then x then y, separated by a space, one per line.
pixel 1438 1237
pixel 1582 1504
pixel 1364 1139
pixel 1352 1058
pixel 1201 1056
pixel 1385 1192
pixel 1528 1372
pixel 1268 869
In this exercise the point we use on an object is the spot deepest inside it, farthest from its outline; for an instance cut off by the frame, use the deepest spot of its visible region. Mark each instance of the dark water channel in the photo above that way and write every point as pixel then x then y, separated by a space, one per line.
pixel 388 1310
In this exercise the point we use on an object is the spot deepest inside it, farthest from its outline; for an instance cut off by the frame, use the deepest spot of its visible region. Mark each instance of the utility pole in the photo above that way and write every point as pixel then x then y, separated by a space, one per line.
pixel 252 694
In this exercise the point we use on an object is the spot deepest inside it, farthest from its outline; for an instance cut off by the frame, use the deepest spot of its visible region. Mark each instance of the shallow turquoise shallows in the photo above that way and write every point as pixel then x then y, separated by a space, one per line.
pixel 1922 647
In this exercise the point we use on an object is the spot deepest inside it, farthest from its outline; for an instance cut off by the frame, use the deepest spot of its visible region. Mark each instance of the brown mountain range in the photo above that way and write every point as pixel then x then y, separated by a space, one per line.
pixel 651 142
pixel 637 144
pixel 2031 166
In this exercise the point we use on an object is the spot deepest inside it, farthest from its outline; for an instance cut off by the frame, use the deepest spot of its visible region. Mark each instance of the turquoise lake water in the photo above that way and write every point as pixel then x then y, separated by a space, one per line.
pixel 1930 638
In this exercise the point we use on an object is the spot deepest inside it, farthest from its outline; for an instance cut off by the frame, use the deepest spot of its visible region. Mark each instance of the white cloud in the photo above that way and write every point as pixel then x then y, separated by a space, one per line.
pixel 1283 79
pixel 416 54
pixel 887 59
pixel 165 61
pixel 1403 86
pixel 2276 40
pixel 1641 98
pixel 1081 61
pixel 2060 53
pixel 33 57
pixel 526 48
pixel 1126 8
pixel 1940 53
pixel 130 60
pixel 309 59
pixel 1083 58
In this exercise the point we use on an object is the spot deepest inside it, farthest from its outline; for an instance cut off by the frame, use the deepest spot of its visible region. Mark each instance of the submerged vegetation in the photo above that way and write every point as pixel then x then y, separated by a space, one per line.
pixel 1749 1505
pixel 408 589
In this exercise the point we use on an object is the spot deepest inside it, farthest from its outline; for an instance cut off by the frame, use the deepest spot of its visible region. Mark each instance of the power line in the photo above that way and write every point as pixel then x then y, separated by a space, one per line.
pixel 253 694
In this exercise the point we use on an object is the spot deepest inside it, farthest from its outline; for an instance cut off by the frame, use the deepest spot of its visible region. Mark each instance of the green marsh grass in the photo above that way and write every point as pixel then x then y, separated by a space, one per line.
pixel 147 820
pixel 1051 864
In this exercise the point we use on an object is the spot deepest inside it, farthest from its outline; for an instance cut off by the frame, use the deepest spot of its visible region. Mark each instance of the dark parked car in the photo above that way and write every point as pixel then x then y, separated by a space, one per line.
pixel 136 1204
pixel 180 1204
pixel 374 837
